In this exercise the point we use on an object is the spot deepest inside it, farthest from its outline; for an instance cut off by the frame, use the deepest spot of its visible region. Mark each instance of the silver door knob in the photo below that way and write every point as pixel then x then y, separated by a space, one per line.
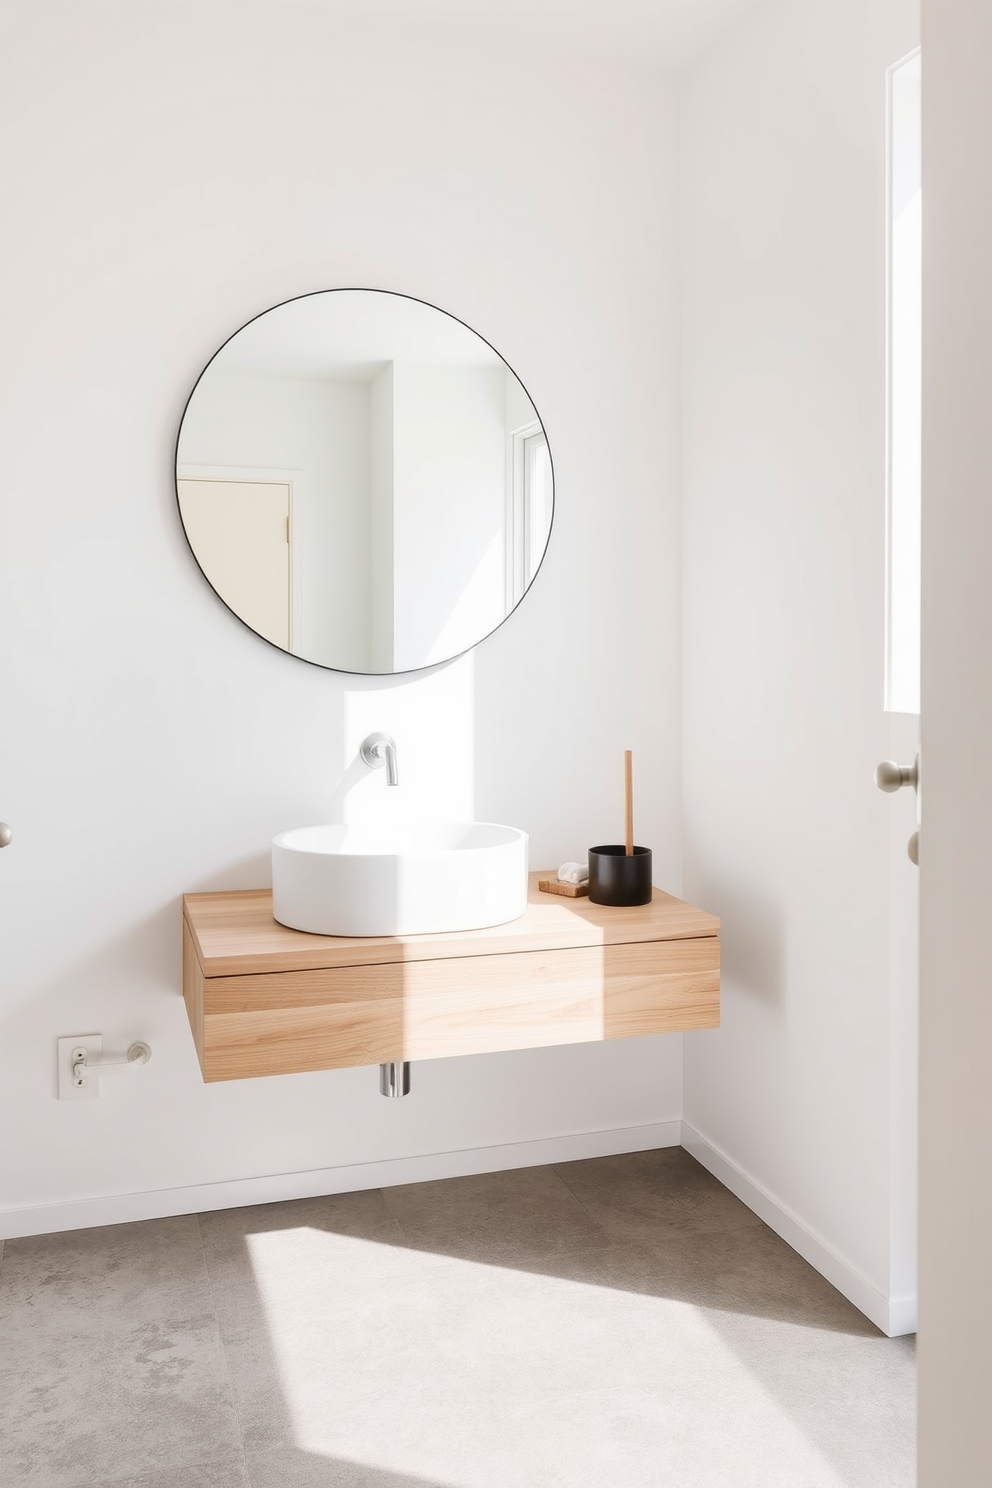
pixel 913 848
pixel 5 834
pixel 892 777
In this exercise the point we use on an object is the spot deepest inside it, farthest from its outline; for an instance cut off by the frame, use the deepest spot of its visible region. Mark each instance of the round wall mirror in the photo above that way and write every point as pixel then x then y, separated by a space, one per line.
pixel 364 481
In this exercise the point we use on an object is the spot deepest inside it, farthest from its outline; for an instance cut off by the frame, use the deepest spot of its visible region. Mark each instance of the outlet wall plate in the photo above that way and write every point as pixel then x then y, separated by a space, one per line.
pixel 68 1089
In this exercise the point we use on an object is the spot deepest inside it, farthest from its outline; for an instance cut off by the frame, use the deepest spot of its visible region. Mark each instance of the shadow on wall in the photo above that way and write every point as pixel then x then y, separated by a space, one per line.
pixel 752 938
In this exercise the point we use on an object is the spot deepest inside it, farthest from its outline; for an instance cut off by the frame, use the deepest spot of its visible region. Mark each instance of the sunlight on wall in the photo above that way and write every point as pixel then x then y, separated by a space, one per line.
pixel 436 764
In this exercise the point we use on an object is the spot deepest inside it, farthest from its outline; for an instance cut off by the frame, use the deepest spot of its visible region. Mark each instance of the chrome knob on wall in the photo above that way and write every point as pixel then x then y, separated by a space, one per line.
pixel 5 834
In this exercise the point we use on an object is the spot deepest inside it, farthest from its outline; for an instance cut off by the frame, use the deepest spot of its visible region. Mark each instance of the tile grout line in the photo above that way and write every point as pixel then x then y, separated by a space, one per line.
pixel 407 1239
pixel 588 1212
pixel 223 1349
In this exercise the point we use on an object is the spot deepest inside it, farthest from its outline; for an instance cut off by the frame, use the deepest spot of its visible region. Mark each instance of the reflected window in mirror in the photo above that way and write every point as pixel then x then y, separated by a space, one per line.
pixel 528 507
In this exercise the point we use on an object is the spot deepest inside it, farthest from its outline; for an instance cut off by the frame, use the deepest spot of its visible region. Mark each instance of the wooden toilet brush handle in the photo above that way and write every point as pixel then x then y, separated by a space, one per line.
pixel 628 801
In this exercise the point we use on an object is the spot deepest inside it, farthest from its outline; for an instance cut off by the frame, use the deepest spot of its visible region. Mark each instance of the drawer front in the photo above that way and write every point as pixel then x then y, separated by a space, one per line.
pixel 289 1022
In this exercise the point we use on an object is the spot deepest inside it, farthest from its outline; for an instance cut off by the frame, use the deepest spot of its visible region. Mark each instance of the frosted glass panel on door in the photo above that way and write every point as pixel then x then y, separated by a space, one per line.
pixel 902 669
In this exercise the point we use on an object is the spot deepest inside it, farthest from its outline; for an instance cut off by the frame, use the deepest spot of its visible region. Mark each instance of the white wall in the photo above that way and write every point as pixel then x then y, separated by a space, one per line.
pixel 320 428
pixel 381 519
pixel 449 509
pixel 150 744
pixel 783 191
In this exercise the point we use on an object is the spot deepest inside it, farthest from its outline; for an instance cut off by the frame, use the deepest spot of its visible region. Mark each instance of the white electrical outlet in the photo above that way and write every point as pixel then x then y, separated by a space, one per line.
pixel 68 1054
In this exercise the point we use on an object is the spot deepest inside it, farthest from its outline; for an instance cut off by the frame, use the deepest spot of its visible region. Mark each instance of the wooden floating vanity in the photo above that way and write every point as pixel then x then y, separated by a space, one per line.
pixel 265 1000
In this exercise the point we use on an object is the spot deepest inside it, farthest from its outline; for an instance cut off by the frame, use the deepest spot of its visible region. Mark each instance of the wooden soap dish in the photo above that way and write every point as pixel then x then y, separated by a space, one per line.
pixel 554 886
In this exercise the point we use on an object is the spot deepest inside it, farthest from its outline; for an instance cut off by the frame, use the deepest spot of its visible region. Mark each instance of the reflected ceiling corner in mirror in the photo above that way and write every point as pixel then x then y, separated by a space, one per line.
pixel 364 481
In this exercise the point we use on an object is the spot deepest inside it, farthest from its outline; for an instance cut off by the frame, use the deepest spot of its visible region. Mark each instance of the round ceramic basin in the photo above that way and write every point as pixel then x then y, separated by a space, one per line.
pixel 403 880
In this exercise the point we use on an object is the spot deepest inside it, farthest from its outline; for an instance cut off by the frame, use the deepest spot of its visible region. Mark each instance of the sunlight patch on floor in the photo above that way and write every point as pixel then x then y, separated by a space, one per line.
pixel 428 1365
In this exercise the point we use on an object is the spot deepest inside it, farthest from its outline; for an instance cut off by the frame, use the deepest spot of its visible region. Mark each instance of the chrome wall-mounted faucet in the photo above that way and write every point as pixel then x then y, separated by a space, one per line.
pixel 380 749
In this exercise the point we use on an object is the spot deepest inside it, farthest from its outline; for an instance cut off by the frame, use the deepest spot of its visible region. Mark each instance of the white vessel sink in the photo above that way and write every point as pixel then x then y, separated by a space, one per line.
pixel 403 880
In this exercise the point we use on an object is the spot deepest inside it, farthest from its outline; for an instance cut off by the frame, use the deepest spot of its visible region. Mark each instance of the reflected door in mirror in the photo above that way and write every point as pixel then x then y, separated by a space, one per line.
pixel 242 529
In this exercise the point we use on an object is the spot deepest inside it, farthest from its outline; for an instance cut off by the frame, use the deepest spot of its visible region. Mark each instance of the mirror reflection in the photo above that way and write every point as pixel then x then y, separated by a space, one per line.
pixel 364 481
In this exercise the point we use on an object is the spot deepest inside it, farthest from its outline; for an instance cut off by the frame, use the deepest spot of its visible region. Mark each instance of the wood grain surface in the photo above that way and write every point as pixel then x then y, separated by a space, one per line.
pixel 234 933
pixel 262 1004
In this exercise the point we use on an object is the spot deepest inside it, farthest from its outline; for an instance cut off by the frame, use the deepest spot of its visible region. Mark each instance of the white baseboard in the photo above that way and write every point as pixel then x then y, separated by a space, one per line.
pixel 893 1315
pixel 84 1214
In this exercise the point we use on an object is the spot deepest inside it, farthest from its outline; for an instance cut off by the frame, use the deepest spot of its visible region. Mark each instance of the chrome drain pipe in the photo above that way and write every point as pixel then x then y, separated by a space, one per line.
pixel 394 1078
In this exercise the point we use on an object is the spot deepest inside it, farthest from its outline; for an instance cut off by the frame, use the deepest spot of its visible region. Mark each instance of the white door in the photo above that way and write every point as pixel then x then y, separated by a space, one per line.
pixel 902 658
pixel 956 862
pixel 239 532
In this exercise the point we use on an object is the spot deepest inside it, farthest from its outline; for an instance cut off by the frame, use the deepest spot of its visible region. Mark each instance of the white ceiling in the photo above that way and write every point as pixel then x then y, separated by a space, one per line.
pixel 657 34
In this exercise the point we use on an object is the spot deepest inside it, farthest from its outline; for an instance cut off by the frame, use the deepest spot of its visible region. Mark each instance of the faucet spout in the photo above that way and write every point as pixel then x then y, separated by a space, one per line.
pixel 378 750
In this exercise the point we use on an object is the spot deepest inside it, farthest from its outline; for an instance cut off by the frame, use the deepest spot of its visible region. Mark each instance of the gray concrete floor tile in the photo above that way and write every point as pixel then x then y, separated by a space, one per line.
pixel 292 1467
pixel 325 1246
pixel 754 1272
pixel 619 1321
pixel 749 1272
pixel 852 1394
pixel 105 1407
pixel 364 1215
pixel 303 1276
pixel 495 1217
pixel 103 1276
pixel 319 1328
pixel 231 1472
pixel 644 1196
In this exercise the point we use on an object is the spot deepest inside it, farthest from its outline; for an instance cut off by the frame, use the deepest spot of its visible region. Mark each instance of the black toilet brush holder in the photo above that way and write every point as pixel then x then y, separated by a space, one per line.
pixel 620 873
pixel 617 878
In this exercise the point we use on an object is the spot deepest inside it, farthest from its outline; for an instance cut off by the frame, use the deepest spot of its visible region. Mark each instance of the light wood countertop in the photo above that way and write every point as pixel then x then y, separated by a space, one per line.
pixel 266 1000
pixel 234 933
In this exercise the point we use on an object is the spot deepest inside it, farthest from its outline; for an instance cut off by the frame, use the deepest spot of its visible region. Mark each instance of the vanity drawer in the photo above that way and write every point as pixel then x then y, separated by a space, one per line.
pixel 291 1021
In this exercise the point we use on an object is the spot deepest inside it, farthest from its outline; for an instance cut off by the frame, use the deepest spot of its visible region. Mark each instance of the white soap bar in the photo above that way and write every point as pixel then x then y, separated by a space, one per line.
pixel 573 873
